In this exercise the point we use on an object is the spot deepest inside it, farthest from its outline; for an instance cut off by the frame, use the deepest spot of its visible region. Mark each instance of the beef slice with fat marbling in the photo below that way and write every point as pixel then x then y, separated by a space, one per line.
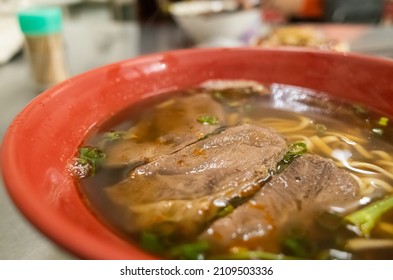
pixel 182 192
pixel 170 126
pixel 309 185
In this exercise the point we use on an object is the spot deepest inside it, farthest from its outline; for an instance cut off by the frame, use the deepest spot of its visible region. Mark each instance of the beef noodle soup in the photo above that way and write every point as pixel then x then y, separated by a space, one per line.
pixel 240 170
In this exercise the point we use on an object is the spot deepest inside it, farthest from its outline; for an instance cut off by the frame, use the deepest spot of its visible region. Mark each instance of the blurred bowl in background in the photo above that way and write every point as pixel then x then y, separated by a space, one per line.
pixel 300 35
pixel 207 20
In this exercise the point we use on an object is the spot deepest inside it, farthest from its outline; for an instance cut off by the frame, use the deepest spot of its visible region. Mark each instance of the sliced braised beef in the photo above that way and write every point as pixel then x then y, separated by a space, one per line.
pixel 185 191
pixel 171 126
pixel 309 185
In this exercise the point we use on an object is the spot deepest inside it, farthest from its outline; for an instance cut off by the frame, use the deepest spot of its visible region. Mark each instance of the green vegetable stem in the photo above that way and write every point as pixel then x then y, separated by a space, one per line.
pixel 366 218
pixel 207 120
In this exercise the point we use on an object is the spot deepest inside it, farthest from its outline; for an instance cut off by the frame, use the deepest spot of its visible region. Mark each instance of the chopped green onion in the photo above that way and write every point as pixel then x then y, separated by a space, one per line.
pixel 162 246
pixel 92 153
pixel 85 164
pixel 225 211
pixel 378 131
pixel 89 157
pixel 297 246
pixel 150 242
pixel 366 218
pixel 383 121
pixel 190 251
pixel 295 150
pixel 113 135
pixel 208 120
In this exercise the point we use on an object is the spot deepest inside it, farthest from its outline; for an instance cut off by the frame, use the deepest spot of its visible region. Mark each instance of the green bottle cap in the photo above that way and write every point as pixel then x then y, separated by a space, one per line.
pixel 40 21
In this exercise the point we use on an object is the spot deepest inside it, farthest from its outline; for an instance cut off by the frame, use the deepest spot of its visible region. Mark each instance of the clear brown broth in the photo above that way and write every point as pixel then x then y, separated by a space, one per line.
pixel 282 102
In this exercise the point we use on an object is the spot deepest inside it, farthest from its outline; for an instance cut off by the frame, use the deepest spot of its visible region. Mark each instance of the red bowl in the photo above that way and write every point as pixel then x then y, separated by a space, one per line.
pixel 47 132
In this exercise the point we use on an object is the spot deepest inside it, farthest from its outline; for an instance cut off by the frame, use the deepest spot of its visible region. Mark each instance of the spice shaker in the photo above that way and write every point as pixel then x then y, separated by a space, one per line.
pixel 42 27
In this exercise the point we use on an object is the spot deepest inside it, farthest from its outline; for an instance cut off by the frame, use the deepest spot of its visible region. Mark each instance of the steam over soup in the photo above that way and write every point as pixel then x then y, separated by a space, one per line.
pixel 240 170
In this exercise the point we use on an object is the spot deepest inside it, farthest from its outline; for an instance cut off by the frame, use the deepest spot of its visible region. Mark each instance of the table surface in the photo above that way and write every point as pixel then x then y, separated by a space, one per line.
pixel 92 39
pixel 89 44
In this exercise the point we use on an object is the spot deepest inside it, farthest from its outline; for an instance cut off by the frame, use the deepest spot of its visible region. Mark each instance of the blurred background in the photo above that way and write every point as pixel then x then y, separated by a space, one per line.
pixel 92 33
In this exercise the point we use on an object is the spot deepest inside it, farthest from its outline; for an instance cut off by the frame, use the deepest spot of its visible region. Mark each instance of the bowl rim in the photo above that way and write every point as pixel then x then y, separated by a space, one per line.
pixel 179 9
pixel 14 183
